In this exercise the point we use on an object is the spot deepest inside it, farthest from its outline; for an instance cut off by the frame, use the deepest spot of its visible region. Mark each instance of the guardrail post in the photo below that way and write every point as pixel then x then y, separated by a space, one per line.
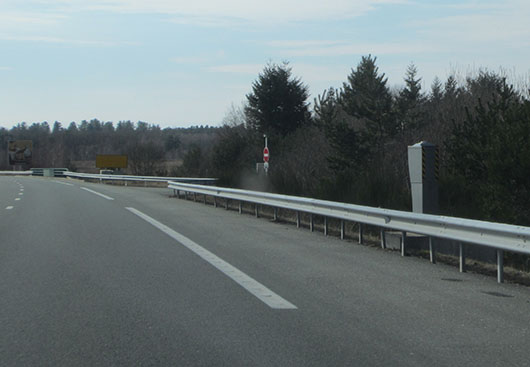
pixel 500 266
pixel 432 251
pixel 204 197
pixel 311 222
pixel 361 230
pixel 226 204
pixel 342 229
pixel 403 243
pixel 297 219
pixel 325 226
pixel 257 211
pixel 383 239
pixel 195 197
pixel 214 202
pixel 240 207
pixel 462 258
pixel 275 214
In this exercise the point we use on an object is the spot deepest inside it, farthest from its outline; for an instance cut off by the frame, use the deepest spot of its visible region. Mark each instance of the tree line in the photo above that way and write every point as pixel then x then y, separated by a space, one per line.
pixel 150 149
pixel 352 145
pixel 349 144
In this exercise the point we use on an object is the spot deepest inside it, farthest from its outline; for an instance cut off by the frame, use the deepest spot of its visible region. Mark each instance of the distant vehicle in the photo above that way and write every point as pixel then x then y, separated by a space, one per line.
pixel 106 172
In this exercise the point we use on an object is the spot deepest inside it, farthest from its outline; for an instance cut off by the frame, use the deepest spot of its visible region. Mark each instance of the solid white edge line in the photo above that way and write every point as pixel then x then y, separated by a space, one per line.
pixel 97 193
pixel 252 286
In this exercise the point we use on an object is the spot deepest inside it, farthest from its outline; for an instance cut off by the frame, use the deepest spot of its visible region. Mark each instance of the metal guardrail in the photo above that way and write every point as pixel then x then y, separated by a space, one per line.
pixel 130 178
pixel 49 172
pixel 15 173
pixel 502 237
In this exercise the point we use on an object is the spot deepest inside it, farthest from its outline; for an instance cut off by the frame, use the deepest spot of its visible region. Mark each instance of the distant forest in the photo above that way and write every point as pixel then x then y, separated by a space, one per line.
pixel 348 144
pixel 150 149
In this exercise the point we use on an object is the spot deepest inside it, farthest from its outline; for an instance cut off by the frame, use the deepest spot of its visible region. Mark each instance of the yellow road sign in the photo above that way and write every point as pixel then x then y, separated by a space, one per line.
pixel 111 161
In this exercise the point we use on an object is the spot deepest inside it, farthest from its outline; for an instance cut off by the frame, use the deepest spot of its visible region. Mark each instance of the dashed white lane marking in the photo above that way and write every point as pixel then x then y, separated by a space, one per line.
pixel 17 199
pixel 63 183
pixel 97 193
pixel 20 193
pixel 9 207
pixel 252 286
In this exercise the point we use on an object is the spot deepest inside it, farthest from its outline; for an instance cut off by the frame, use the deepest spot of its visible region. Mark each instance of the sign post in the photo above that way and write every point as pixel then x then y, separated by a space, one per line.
pixel 266 157
pixel 20 152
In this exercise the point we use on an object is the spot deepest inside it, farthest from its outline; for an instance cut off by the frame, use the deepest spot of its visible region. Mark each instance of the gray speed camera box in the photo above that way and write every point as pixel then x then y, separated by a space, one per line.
pixel 423 171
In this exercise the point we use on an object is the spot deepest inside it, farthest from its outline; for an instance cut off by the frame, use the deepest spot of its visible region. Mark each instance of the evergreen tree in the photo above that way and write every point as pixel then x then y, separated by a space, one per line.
pixel 485 86
pixel 367 98
pixel 326 108
pixel 451 87
pixel 277 104
pixel 337 126
pixel 57 128
pixel 436 90
pixel 233 154
pixel 409 101
pixel 412 91
pixel 490 152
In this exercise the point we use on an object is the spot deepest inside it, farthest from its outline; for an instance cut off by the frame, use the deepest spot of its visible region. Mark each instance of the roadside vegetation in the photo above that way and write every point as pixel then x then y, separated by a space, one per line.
pixel 348 144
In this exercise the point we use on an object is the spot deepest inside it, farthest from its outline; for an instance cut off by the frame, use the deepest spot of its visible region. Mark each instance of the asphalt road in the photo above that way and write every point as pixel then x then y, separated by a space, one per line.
pixel 136 278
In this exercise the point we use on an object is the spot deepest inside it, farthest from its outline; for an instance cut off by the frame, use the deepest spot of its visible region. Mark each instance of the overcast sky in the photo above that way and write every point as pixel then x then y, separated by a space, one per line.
pixel 181 63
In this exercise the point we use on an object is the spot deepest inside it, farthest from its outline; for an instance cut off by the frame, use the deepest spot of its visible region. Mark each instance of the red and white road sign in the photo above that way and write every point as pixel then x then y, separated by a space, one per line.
pixel 266 154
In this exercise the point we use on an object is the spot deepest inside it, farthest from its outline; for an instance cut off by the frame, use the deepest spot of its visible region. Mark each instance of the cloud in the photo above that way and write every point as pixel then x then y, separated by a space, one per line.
pixel 211 11
pixel 309 73
pixel 476 25
pixel 199 59
pixel 312 74
pixel 28 20
pixel 28 17
pixel 302 43
pixel 481 28
pixel 340 48
pixel 475 28
pixel 254 69
pixel 189 60
pixel 59 40
pixel 5 68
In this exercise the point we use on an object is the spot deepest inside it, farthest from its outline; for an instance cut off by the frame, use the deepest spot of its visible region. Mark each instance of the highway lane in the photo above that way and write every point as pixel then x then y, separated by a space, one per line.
pixel 84 281
pixel 10 193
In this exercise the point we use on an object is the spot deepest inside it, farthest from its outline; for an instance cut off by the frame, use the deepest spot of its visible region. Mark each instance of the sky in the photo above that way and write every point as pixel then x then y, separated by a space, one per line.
pixel 181 63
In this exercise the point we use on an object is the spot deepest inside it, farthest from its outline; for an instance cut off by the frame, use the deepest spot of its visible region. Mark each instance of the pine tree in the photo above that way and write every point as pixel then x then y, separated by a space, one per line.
pixel 412 91
pixel 336 124
pixel 326 108
pixel 367 98
pixel 410 100
pixel 277 104
pixel 436 90
pixel 490 152
pixel 451 87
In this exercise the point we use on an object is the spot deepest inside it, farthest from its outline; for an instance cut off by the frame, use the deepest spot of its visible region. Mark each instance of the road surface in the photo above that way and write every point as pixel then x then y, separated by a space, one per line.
pixel 101 275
